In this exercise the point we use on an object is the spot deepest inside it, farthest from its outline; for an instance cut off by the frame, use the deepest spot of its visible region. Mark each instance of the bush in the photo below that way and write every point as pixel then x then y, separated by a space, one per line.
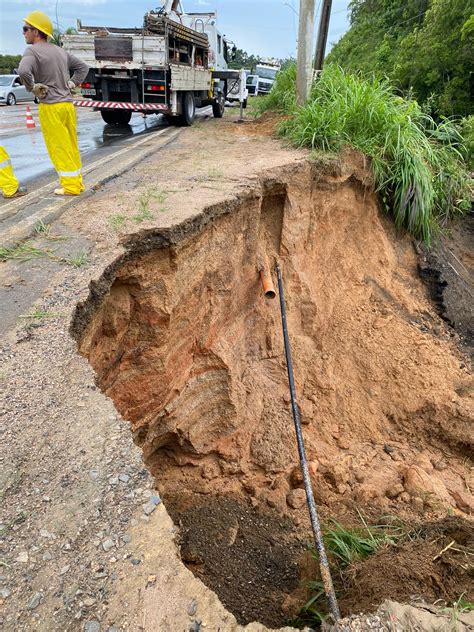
pixel 417 164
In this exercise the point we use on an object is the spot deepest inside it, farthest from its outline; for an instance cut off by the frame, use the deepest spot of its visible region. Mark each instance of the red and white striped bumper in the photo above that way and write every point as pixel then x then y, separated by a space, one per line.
pixel 113 105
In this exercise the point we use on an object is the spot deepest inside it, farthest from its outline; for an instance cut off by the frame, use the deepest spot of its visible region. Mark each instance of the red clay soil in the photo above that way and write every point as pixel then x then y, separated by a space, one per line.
pixel 191 353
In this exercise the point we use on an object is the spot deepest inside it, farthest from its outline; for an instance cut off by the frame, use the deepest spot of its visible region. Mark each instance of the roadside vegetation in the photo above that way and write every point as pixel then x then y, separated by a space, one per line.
pixel 344 546
pixel 347 546
pixel 423 46
pixel 418 164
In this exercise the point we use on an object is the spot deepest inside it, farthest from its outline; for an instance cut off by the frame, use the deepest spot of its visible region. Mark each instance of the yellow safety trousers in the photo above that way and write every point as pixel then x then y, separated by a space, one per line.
pixel 8 182
pixel 58 124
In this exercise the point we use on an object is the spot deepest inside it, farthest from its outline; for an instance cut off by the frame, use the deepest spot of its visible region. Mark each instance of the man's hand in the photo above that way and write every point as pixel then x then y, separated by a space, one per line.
pixel 73 88
pixel 40 90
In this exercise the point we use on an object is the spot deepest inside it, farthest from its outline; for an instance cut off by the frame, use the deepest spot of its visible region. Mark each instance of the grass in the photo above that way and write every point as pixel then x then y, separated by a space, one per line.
pixel 78 260
pixel 351 544
pixel 117 221
pixel 25 252
pixel 44 230
pixel 253 107
pixel 417 163
pixel 146 198
pixel 344 546
pixel 38 314
pixel 457 608
pixel 462 605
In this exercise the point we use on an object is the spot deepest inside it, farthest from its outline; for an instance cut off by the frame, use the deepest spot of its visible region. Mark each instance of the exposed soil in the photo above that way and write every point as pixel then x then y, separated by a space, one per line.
pixel 78 550
pixel 416 570
pixel 248 555
pixel 183 341
pixel 384 392
pixel 448 270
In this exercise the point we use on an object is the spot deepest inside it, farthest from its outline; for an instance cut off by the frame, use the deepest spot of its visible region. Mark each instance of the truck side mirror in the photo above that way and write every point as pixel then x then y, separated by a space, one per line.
pixel 234 52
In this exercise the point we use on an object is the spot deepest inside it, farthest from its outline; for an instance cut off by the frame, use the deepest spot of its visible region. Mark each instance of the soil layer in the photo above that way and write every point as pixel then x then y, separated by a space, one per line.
pixel 248 555
pixel 184 342
pixel 420 569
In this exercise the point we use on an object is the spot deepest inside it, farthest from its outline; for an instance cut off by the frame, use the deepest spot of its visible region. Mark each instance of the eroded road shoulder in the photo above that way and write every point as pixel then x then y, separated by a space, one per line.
pixel 86 542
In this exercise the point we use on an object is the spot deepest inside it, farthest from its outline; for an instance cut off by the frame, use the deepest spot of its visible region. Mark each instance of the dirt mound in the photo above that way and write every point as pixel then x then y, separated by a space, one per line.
pixel 265 125
pixel 190 351
pixel 435 564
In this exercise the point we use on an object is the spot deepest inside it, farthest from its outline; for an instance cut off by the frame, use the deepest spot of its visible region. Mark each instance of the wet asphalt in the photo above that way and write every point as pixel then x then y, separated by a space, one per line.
pixel 27 149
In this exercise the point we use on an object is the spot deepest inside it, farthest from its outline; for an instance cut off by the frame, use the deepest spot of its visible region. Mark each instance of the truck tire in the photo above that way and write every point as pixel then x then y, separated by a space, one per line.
pixel 188 109
pixel 218 106
pixel 116 117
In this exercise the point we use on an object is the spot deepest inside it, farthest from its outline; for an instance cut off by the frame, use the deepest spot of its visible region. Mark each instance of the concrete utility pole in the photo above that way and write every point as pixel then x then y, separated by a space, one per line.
pixel 322 34
pixel 305 44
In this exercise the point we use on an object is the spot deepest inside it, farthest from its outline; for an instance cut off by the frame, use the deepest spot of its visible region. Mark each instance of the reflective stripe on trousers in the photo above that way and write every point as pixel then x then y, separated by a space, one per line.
pixel 58 124
pixel 8 182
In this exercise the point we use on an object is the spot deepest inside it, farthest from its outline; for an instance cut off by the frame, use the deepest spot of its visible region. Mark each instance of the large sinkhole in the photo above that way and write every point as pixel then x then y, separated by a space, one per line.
pixel 183 340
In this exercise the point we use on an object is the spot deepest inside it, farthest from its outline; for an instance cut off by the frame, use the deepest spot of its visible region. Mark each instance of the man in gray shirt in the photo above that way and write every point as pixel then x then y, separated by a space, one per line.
pixel 45 70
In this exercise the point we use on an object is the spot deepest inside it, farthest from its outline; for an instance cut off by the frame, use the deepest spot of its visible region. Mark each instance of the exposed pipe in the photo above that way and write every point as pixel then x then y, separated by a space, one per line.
pixel 266 276
pixel 313 513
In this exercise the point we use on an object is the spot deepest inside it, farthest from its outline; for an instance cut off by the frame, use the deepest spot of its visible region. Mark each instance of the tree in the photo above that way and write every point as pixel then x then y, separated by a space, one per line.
pixel 242 59
pixel 423 46
pixel 9 63
pixel 58 35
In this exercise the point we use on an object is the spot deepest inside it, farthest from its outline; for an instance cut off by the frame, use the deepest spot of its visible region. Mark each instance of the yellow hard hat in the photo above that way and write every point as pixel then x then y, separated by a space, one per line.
pixel 40 21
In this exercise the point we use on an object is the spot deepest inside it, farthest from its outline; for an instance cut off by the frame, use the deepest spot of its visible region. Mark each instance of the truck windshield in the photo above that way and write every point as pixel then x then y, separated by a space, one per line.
pixel 266 73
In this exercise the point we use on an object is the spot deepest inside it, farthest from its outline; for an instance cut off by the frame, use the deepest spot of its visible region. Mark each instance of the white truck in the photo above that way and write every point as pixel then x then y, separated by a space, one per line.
pixel 266 72
pixel 176 62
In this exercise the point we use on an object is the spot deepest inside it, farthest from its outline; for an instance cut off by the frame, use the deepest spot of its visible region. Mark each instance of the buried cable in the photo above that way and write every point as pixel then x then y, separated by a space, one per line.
pixel 313 513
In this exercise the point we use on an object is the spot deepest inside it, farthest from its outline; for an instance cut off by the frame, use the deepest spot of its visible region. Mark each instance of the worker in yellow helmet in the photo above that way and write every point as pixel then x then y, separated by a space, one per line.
pixel 51 73
pixel 8 183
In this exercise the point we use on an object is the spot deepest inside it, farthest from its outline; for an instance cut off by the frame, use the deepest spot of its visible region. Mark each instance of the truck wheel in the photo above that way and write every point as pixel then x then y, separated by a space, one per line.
pixel 116 117
pixel 188 110
pixel 218 106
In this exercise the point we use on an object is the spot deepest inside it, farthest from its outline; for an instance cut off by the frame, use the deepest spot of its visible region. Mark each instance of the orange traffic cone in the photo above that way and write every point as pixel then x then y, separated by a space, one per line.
pixel 30 124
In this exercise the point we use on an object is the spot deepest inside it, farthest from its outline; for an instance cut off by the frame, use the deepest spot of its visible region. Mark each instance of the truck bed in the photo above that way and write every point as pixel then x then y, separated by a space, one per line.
pixel 127 50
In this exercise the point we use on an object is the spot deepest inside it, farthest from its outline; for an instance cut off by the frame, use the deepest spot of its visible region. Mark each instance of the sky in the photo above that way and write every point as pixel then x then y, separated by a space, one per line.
pixel 261 27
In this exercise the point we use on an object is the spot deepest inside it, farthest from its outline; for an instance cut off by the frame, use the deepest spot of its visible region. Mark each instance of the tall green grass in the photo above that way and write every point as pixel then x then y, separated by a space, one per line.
pixel 417 163
pixel 344 546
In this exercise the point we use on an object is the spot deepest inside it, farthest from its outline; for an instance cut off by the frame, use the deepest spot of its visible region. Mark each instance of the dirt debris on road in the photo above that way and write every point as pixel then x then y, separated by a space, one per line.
pixel 182 347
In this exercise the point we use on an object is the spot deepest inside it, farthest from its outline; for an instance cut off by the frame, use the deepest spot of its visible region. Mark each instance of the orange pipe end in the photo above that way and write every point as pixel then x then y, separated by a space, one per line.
pixel 266 279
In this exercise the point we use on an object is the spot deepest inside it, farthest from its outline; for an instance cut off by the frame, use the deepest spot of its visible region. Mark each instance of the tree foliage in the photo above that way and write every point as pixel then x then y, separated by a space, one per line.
pixel 57 37
pixel 8 63
pixel 423 46
pixel 243 60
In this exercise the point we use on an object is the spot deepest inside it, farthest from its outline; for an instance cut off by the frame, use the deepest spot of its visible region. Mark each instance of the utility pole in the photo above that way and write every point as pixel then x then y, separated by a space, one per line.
pixel 305 44
pixel 322 35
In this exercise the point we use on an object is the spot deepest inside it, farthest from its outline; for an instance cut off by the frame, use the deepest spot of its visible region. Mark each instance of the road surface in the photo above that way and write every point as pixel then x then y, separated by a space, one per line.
pixel 27 149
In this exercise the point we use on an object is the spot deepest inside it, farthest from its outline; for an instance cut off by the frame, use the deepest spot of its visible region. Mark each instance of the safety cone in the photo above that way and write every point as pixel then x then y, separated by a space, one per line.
pixel 30 124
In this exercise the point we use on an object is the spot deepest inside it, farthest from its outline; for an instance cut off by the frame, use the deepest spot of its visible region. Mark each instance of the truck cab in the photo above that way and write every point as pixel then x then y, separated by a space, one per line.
pixel 266 72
